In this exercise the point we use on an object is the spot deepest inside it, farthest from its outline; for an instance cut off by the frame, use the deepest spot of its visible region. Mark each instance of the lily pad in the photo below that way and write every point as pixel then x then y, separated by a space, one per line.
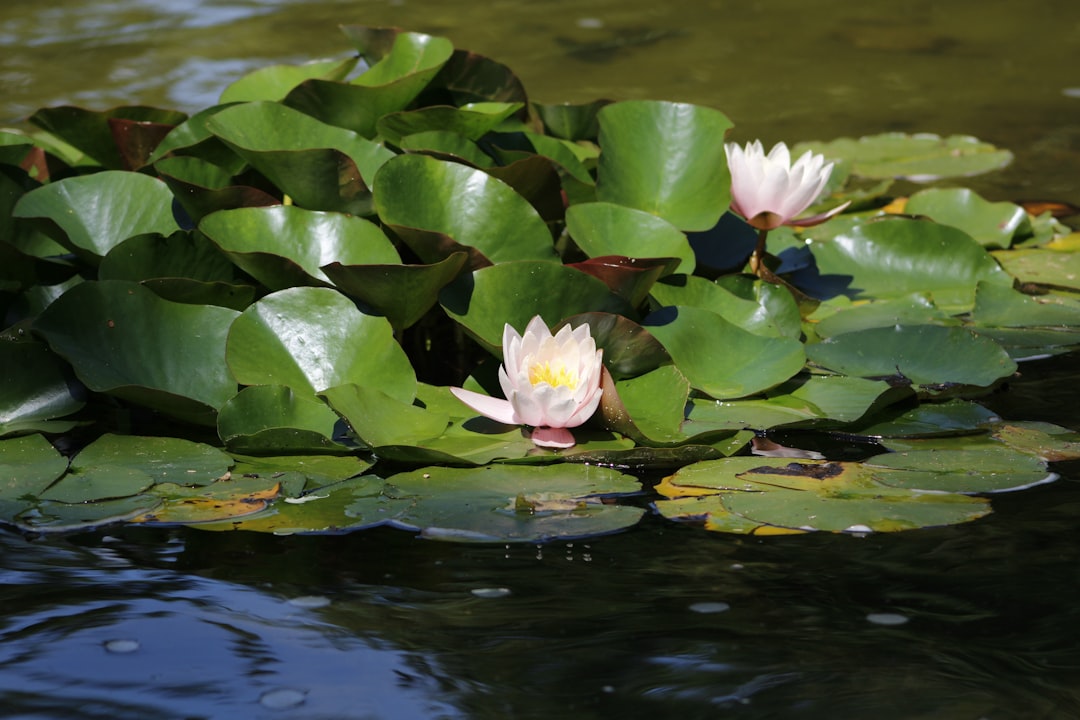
pixel 38 389
pixel 161 459
pixel 991 224
pixel 123 339
pixel 277 419
pixel 720 358
pixel 603 228
pixel 97 212
pixel 1042 267
pixel 666 159
pixel 311 339
pixel 285 246
pixel 775 495
pixel 921 158
pixel 923 354
pixel 501 503
pixel 28 465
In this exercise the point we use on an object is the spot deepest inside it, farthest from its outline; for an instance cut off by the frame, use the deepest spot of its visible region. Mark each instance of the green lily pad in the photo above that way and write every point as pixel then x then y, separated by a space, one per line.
pixel 403 293
pixel 501 503
pixel 895 257
pixel 389 85
pixel 201 187
pixel 991 224
pixel 920 158
pixel 999 306
pixel 515 292
pixel 753 316
pixel 1047 441
pixel 467 205
pixel 277 419
pixel 161 459
pixel 121 138
pixel 311 339
pixel 298 474
pixel 924 354
pixel 721 359
pixel 603 228
pixel 50 516
pixel 1042 267
pixel 97 212
pixel 321 167
pixel 914 309
pixel 352 504
pixel 124 340
pixel 952 417
pixel 378 419
pixel 472 121
pixel 652 406
pixel 38 388
pixel 275 82
pixel 766 496
pixel 98 483
pixel 814 400
pixel 28 465
pixel 284 246
pixel 666 159
pixel 980 470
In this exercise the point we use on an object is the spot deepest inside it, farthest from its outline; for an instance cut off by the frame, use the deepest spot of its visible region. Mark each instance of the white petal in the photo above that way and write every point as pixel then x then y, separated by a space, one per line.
pixel 553 438
pixel 494 408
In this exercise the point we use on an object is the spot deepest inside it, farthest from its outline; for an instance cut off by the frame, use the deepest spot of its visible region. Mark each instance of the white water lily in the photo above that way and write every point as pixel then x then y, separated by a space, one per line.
pixel 770 191
pixel 551 382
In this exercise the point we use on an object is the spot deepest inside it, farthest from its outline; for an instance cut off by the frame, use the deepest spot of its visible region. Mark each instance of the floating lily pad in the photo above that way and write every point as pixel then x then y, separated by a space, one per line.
pixel 604 228
pixel 720 358
pixel 28 465
pixel 275 82
pixel 223 500
pixel 775 495
pixel 981 470
pixel 161 459
pixel 49 516
pixel 277 419
pixel 379 419
pixel 923 354
pixel 921 157
pixel 991 224
pixel 1043 267
pixel 500 503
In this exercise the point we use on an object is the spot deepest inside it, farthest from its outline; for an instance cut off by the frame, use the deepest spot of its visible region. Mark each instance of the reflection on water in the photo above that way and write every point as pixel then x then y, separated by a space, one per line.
pixel 781 69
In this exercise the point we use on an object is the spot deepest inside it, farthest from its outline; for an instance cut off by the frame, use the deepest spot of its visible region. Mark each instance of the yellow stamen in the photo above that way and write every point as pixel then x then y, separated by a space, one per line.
pixel 560 375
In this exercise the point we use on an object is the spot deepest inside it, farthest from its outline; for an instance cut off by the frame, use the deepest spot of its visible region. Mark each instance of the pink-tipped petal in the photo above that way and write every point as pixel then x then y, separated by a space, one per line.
pixel 553 438
pixel 819 218
pixel 494 408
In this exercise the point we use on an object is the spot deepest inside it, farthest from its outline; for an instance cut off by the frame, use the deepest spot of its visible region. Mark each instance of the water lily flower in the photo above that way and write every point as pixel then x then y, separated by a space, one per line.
pixel 769 191
pixel 551 382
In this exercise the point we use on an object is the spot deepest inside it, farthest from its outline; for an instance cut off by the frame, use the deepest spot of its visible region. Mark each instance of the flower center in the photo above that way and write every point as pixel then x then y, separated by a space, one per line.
pixel 553 376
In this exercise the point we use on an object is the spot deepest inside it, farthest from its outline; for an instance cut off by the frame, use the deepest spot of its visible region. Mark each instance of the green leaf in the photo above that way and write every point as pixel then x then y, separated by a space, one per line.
pixel 321 167
pixel 403 293
pixel 28 465
pixel 161 459
pixel 977 470
pixel 119 139
pixel 990 224
pixel 275 82
pixel 666 159
pixel 515 292
pixel 999 306
pixel 924 354
pixel 1041 266
pixel 921 158
pixel 720 358
pixel 895 257
pixel 468 206
pixel 124 340
pixel 388 86
pixel 602 228
pixel 49 516
pixel 311 339
pixel 379 419
pixel 97 212
pixel 284 246
pixel 500 503
pixel 767 496
pixel 98 483
pixel 697 292
pixel 37 389
pixel 276 419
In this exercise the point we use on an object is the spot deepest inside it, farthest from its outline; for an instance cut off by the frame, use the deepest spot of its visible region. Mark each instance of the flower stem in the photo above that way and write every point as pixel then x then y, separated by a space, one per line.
pixel 757 260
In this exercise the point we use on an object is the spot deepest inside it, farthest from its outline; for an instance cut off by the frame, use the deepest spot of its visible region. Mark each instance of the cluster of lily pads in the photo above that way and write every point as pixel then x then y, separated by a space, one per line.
pixel 252 317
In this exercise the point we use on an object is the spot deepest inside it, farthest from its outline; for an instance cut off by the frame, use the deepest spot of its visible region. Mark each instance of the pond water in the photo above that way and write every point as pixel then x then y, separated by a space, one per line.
pixel 973 621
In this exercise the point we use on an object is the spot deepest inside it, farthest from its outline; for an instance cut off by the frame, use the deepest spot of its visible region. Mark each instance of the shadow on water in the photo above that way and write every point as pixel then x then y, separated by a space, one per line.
pixel 971 621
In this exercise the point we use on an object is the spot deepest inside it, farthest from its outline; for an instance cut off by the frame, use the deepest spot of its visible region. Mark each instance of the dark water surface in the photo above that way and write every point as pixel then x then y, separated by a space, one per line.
pixel 661 621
